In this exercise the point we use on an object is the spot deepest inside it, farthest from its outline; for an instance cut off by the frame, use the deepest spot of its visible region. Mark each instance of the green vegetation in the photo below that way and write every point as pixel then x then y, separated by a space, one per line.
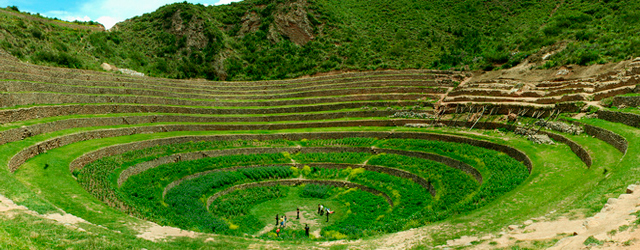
pixel 248 39
pixel 241 213
pixel 185 204
pixel 315 191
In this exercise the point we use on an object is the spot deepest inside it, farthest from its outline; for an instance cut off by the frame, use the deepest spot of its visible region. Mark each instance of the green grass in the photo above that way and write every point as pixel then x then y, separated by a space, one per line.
pixel 267 211
pixel 564 180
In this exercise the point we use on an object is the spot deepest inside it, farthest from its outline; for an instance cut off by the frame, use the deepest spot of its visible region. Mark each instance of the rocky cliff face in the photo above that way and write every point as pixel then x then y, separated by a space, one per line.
pixel 292 22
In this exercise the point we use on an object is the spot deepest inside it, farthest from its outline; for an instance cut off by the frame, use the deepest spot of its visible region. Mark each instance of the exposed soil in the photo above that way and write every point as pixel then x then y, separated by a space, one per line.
pixel 7 205
pixel 9 208
pixel 616 214
pixel 155 232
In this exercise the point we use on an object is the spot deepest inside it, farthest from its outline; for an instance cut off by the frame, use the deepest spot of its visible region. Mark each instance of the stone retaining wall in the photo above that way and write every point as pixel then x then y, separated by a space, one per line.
pixel 575 147
pixel 611 138
pixel 195 86
pixel 507 93
pixel 628 119
pixel 36 112
pixel 613 92
pixel 21 133
pixel 633 80
pixel 379 169
pixel 295 182
pixel 44 74
pixel 316 91
pixel 31 98
pixel 512 152
pixel 89 157
pixel 438 158
pixel 629 101
pixel 505 108
pixel 190 156
pixel 542 100
pixel 41 147
pixel 74 74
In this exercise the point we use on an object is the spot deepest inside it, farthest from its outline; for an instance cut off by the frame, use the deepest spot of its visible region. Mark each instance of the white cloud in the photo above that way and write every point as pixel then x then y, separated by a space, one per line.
pixel 65 15
pixel 221 2
pixel 75 18
pixel 122 9
pixel 108 21
pixel 110 12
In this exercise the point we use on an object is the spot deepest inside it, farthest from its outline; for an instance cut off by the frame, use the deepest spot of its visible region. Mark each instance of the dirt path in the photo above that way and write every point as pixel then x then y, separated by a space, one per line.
pixel 7 205
pixel 154 232
pixel 616 214
pixel 9 208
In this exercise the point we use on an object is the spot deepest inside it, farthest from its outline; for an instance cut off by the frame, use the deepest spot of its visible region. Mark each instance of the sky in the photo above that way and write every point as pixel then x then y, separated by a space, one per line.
pixel 106 12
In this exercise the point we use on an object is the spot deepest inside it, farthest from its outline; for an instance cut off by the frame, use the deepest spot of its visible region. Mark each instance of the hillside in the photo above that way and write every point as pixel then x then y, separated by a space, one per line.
pixel 539 155
pixel 264 39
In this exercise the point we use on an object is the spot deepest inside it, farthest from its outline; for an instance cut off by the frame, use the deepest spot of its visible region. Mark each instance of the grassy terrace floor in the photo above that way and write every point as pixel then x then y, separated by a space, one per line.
pixel 559 184
pixel 564 179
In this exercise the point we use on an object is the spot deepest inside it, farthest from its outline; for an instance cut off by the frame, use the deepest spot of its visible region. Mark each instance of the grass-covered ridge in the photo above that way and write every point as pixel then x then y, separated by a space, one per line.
pixel 250 40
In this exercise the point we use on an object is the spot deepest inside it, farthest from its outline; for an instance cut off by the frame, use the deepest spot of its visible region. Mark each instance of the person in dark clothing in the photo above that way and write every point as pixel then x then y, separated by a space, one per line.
pixel 298 210
pixel 327 215
pixel 277 219
pixel 319 208
pixel 306 229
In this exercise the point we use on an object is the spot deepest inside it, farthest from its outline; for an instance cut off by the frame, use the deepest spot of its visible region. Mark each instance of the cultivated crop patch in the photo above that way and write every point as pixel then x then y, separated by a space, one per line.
pixel 218 194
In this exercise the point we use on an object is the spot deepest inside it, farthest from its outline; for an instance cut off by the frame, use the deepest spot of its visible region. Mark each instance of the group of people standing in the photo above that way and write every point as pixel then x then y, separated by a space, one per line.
pixel 282 222
pixel 324 210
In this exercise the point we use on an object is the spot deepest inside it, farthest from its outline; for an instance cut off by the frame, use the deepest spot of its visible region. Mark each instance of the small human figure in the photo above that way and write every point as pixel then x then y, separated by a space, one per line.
pixel 277 219
pixel 298 212
pixel 328 212
pixel 306 229
pixel 278 232
pixel 284 221
pixel 321 210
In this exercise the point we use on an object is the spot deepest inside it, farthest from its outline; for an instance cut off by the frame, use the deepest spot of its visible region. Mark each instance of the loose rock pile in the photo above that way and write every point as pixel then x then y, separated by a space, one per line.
pixel 423 125
pixel 411 114
pixel 561 127
pixel 531 135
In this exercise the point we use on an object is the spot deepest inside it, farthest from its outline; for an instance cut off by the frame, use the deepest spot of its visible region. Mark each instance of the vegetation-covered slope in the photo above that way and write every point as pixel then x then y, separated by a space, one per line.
pixel 274 39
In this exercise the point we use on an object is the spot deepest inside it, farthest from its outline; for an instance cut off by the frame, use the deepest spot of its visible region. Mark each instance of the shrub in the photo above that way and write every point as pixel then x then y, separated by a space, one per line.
pixel 315 191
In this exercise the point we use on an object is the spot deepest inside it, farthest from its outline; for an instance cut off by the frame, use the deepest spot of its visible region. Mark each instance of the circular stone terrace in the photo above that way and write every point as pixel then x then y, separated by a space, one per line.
pixel 401 158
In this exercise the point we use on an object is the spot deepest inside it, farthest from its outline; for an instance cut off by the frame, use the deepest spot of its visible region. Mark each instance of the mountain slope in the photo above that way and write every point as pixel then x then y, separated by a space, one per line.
pixel 275 39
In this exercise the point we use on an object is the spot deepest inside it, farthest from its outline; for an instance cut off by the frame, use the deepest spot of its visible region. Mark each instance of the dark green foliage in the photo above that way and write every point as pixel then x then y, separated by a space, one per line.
pixel 238 203
pixel 185 205
pixel 365 212
pixel 182 40
pixel 235 206
pixel 315 191
pixel 331 157
pixel 59 59
pixel 500 172
pixel 182 206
